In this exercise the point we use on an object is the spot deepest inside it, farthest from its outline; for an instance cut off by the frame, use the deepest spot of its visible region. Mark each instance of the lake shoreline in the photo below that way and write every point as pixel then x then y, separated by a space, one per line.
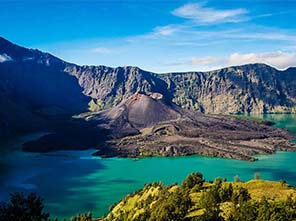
pixel 94 183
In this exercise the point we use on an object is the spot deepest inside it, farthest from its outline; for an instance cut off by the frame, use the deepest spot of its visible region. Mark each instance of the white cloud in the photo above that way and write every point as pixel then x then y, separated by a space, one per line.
pixel 160 32
pixel 165 30
pixel 190 35
pixel 101 50
pixel 280 60
pixel 200 14
pixel 4 58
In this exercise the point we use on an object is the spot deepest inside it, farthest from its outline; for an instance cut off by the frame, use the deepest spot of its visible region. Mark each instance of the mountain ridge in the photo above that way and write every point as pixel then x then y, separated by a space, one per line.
pixel 130 112
pixel 42 86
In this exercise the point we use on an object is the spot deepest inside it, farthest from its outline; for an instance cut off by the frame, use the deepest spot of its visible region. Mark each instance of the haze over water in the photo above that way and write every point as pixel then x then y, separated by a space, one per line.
pixel 74 181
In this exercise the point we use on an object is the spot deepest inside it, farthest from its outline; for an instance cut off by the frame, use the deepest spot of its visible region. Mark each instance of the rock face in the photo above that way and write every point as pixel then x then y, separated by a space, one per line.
pixel 38 90
pixel 33 88
pixel 146 125
pixel 254 88
pixel 36 87
pixel 109 86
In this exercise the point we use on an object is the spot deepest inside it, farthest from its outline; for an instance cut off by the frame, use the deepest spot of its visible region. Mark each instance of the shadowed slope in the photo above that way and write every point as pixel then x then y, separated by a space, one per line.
pixel 145 125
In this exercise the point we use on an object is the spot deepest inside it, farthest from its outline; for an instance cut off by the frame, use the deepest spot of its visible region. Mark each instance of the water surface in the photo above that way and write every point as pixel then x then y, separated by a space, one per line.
pixel 74 181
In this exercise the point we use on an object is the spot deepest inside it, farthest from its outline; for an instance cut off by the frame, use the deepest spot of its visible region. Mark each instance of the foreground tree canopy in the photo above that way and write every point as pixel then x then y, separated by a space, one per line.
pixel 193 200
pixel 197 200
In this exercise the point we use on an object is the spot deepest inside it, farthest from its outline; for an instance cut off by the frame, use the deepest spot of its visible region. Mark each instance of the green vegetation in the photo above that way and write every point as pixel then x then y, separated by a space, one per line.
pixel 23 208
pixel 193 200
pixel 82 217
pixel 197 200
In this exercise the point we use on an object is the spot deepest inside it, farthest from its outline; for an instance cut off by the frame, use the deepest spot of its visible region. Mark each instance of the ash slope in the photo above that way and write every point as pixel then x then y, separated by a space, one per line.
pixel 150 125
pixel 41 92
pixel 38 90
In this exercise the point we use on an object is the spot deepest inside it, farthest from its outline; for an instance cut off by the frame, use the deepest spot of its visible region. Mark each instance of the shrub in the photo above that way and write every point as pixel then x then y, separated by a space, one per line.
pixel 192 180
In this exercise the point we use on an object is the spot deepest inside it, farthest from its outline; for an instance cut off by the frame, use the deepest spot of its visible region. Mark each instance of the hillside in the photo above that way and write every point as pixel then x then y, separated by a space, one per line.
pixel 192 200
pixel 253 88
pixel 38 86
pixel 41 92
pixel 150 125
pixel 34 90
pixel 196 199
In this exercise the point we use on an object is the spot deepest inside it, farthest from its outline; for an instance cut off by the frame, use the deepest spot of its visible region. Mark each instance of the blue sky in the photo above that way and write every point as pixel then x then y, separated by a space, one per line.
pixel 156 35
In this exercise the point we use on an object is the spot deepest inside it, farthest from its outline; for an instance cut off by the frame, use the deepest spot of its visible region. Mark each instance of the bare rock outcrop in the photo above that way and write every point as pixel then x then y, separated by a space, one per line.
pixel 145 125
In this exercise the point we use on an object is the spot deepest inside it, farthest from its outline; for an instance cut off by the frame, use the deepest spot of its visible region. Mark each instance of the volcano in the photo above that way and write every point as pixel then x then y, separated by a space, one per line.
pixel 149 125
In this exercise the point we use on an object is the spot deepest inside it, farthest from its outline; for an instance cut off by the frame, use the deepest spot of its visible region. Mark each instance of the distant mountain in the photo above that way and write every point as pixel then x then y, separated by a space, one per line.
pixel 253 88
pixel 37 88
pixel 34 88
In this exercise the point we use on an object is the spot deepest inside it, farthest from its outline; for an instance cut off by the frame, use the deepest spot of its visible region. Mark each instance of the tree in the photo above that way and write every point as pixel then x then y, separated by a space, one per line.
pixel 240 195
pixel 192 180
pixel 171 206
pixel 225 193
pixel 210 204
pixel 218 181
pixel 23 208
pixel 246 211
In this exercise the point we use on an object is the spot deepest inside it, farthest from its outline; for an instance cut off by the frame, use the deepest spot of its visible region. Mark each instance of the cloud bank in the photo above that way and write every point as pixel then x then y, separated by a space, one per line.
pixel 280 60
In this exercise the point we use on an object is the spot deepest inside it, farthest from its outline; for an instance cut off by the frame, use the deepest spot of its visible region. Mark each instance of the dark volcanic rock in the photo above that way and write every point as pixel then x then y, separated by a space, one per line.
pixel 36 85
pixel 146 125
pixel 140 117
pixel 254 88
pixel 109 86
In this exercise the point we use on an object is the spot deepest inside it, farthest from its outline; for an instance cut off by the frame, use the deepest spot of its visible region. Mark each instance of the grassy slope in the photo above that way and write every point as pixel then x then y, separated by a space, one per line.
pixel 256 188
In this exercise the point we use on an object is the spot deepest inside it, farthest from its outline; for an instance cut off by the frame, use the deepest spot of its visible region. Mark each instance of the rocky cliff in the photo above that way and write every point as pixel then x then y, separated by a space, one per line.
pixel 253 88
pixel 35 86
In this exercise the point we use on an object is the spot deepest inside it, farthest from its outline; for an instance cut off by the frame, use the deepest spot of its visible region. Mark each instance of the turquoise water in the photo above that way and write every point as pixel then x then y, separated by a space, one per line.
pixel 74 181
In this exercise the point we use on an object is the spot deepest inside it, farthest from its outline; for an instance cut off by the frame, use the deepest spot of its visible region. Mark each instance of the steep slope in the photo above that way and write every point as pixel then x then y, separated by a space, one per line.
pixel 135 113
pixel 39 79
pixel 109 86
pixel 33 88
pixel 196 199
pixel 254 88
pixel 38 86
pixel 146 124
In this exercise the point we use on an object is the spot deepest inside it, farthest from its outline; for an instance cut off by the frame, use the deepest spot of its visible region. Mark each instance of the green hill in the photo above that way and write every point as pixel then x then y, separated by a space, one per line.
pixel 195 200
